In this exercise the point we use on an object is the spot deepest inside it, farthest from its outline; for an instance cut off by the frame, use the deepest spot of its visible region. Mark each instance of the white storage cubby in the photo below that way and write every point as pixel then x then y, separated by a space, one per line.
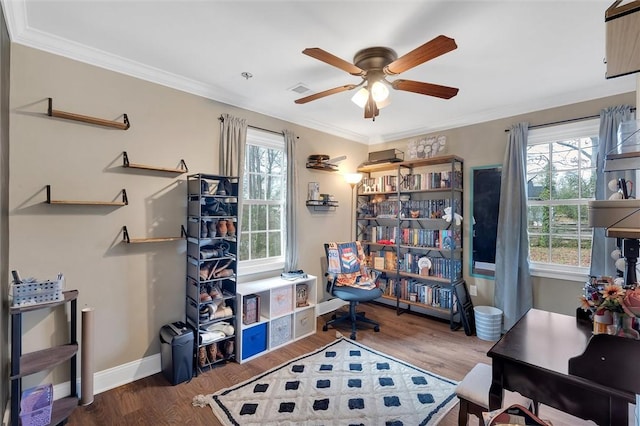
pixel 281 320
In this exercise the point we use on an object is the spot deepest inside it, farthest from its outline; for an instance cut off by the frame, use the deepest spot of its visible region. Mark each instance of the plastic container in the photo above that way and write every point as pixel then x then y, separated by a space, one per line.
pixel 34 293
pixel 35 406
pixel 488 322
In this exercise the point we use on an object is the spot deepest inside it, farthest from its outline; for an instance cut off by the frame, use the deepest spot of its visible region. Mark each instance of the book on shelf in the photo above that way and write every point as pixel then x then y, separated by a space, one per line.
pixel 250 309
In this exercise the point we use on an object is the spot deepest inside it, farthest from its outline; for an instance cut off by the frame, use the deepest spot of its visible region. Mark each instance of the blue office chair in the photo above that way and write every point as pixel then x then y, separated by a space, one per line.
pixel 350 280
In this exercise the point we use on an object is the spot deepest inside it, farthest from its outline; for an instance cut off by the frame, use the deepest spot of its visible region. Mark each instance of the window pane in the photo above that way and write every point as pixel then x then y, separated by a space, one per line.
pixel 565 186
pixel 585 251
pixel 564 220
pixel 258 245
pixel 539 248
pixel 275 188
pixel 243 249
pixel 275 246
pixel 538 186
pixel 564 251
pixel 584 221
pixel 588 183
pixel 246 216
pixel 258 217
pixel 566 154
pixel 538 218
pixel 275 213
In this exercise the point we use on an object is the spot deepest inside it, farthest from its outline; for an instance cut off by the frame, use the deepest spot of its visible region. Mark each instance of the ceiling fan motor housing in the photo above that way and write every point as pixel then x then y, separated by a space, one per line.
pixel 374 58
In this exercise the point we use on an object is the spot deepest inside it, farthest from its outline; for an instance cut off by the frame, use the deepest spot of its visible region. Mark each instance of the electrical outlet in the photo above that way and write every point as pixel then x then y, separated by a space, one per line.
pixel 473 290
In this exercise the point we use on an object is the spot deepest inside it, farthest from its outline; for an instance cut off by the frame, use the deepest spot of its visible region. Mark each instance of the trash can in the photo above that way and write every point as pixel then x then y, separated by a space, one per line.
pixel 176 354
pixel 488 322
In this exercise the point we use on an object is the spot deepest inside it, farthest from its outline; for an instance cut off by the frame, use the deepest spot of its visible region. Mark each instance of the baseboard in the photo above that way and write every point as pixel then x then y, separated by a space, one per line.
pixel 329 306
pixel 116 376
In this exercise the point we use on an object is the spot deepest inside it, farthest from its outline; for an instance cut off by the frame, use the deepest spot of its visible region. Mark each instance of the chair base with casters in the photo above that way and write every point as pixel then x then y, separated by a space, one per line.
pixel 354 296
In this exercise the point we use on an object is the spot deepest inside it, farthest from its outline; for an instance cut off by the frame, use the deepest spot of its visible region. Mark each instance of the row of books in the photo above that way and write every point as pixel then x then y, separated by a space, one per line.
pixel 413 182
pixel 433 209
pixel 450 269
pixel 425 293
pixel 432 180
pixel 444 239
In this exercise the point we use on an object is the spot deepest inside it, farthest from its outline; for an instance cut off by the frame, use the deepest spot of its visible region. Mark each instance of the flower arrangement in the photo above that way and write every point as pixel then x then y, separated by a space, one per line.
pixel 610 298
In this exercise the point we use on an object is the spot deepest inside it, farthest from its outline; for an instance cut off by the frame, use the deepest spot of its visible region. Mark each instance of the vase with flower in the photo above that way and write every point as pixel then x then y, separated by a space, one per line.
pixel 614 309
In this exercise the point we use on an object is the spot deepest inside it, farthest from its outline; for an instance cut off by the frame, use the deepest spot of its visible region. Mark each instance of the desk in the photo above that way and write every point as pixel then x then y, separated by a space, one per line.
pixel 533 358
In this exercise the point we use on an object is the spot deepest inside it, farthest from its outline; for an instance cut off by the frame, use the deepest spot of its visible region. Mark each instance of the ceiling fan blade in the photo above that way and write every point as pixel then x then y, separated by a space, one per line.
pixel 444 92
pixel 324 56
pixel 431 49
pixel 325 93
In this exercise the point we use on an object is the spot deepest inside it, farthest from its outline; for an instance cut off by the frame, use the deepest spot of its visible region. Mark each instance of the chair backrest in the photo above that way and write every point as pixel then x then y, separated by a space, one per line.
pixel 611 361
pixel 345 263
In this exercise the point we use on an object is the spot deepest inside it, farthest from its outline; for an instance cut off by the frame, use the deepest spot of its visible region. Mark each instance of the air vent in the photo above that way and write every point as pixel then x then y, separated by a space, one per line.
pixel 300 88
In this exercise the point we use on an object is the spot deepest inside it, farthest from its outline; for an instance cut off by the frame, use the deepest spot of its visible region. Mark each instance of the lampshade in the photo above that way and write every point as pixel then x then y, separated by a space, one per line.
pixel 353 178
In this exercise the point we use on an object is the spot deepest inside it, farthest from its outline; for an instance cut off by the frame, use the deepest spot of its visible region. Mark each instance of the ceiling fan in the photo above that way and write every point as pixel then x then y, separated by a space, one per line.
pixel 374 64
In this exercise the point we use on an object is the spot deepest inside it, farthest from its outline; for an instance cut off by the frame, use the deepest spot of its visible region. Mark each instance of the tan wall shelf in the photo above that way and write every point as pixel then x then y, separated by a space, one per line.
pixel 129 240
pixel 124 202
pixel 126 164
pixel 86 119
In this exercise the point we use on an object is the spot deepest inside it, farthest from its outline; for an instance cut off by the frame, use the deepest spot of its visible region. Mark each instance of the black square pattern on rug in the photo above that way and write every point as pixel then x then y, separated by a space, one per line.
pixel 419 380
pixel 322 384
pixel 260 388
pixel 391 401
pixel 385 381
pixel 321 404
pixel 354 383
pixel 287 407
pixel 292 385
pixel 335 385
pixel 248 409
pixel 356 404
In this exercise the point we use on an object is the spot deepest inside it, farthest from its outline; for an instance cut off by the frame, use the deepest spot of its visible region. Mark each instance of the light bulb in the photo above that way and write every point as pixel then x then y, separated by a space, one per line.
pixel 379 91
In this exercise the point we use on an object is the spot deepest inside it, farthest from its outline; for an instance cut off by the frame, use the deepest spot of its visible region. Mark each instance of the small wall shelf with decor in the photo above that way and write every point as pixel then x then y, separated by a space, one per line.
pixel 86 119
pixel 322 205
pixel 124 202
pixel 401 220
pixel 182 168
pixel 275 312
pixel 127 239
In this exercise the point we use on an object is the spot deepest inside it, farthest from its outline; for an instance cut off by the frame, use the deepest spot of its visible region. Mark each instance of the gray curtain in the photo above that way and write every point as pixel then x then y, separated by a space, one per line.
pixel 233 140
pixel 610 119
pixel 513 287
pixel 291 255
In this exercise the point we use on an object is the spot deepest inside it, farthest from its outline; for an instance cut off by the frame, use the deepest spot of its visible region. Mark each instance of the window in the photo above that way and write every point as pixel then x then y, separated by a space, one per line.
pixel 561 176
pixel 262 239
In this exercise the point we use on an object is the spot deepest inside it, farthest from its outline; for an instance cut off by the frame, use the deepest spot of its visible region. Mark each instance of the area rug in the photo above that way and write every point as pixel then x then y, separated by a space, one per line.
pixel 343 383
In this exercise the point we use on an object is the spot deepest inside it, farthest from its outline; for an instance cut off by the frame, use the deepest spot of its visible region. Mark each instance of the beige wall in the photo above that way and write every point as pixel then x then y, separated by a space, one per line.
pixel 484 144
pixel 136 288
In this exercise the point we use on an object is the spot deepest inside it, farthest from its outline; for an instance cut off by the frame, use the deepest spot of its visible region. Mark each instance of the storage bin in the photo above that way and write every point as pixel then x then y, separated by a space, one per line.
pixel 254 340
pixel 281 301
pixel 304 322
pixel 488 322
pixel 34 293
pixel 280 331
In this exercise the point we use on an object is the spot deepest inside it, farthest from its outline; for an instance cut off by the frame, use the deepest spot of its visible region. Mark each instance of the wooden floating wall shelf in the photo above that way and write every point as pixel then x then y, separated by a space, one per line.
pixel 125 163
pixel 86 119
pixel 124 202
pixel 128 240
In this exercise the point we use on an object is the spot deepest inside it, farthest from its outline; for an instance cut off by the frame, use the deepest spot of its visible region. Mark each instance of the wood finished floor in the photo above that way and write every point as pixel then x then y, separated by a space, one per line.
pixel 424 342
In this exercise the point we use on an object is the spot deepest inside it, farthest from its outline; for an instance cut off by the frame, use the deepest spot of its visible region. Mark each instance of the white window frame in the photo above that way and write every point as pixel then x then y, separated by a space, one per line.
pixel 248 267
pixel 547 135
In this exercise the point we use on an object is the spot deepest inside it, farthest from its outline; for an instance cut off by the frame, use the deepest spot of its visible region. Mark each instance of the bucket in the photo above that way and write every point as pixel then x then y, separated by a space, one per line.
pixel 488 322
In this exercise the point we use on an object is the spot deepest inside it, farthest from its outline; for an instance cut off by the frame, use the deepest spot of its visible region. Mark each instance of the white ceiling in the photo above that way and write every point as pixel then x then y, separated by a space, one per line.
pixel 513 56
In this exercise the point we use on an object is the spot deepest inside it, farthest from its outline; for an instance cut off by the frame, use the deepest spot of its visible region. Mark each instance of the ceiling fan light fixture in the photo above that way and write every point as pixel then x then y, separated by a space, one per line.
pixel 361 97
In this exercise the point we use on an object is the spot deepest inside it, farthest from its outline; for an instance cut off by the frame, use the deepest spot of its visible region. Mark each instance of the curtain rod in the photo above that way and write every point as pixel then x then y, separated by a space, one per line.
pixel 570 120
pixel 257 128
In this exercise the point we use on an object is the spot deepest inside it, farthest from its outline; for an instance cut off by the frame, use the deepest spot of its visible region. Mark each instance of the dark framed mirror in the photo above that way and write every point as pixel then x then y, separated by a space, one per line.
pixel 485 203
